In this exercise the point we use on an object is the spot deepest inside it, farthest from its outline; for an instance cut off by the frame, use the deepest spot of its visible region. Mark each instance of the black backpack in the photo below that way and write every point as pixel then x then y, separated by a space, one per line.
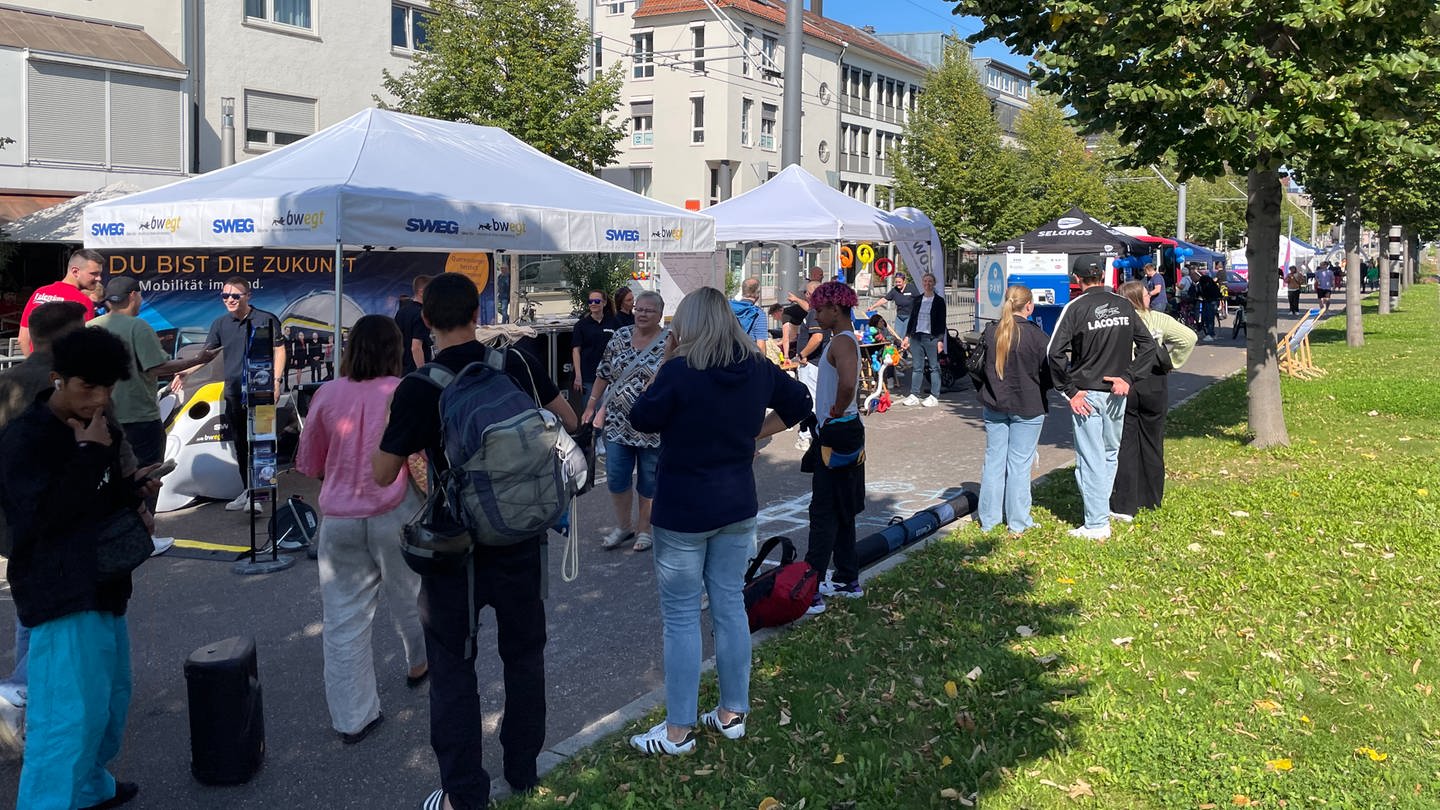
pixel 975 363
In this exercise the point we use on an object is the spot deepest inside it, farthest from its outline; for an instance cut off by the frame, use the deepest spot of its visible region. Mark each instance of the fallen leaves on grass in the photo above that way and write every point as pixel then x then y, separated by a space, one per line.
pixel 1241 800
pixel 1268 706
pixel 1375 756
pixel 839 760
pixel 1282 764
pixel 951 690
pixel 769 803
pixel 973 675
pixel 1065 580
pixel 1025 631
pixel 1122 641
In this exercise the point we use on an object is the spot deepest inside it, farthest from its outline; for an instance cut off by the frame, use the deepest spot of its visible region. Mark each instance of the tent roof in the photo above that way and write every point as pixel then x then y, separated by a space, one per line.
pixel 796 206
pixel 61 222
pixel 1076 232
pixel 387 179
pixel 1202 253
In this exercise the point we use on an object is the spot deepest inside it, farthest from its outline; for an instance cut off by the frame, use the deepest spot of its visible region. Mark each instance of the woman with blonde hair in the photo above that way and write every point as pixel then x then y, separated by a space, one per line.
pixel 1140 472
pixel 708 403
pixel 360 536
pixel 1017 377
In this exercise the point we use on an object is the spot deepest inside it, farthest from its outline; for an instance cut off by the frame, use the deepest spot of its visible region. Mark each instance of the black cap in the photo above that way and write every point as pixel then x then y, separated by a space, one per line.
pixel 1090 270
pixel 119 289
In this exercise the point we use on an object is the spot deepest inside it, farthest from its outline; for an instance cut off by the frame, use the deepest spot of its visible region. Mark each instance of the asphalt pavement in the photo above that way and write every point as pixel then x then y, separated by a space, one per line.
pixel 604 651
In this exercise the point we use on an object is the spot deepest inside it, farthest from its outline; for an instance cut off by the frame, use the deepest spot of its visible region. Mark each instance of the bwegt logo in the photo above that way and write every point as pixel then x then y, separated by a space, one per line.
pixel 495 226
pixel 239 225
pixel 169 224
pixel 673 234
pixel 615 235
pixel 299 219
pixel 417 225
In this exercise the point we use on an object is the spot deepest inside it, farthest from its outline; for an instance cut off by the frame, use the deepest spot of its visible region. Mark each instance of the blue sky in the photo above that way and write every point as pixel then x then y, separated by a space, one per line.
pixel 904 16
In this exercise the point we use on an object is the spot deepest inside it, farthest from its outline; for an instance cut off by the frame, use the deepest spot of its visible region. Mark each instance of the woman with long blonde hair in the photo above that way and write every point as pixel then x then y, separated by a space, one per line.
pixel 1017 378
pixel 1140 471
pixel 708 403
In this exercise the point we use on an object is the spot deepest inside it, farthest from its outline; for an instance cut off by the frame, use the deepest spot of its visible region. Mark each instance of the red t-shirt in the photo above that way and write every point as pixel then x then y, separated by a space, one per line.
pixel 59 291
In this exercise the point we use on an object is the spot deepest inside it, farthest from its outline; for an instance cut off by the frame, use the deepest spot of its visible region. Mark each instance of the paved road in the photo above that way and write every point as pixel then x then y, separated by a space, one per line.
pixel 604 650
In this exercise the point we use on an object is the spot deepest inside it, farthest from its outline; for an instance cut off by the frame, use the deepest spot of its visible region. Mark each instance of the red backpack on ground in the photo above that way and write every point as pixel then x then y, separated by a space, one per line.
pixel 782 594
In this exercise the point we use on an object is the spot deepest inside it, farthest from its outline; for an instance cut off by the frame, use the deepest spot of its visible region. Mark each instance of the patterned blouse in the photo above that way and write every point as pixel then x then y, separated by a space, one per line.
pixel 622 393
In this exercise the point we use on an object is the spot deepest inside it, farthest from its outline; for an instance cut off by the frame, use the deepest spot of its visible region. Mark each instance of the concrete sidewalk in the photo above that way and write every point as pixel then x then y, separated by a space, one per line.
pixel 603 657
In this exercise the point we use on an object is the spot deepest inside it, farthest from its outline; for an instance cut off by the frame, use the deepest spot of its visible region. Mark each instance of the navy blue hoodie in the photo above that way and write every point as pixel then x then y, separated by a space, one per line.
pixel 708 421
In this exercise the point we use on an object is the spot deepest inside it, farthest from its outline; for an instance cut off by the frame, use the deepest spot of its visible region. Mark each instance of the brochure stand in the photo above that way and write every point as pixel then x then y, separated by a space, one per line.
pixel 259 398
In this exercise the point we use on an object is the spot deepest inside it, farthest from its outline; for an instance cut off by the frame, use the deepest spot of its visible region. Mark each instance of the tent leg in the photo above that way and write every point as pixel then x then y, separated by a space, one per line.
pixel 339 302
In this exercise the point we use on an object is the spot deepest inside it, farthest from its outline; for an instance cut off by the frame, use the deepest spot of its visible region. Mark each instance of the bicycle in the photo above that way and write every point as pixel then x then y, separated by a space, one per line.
pixel 1241 302
pixel 525 307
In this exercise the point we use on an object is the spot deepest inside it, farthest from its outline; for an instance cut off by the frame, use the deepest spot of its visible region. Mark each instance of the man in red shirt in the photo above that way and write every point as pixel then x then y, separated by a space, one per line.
pixel 82 276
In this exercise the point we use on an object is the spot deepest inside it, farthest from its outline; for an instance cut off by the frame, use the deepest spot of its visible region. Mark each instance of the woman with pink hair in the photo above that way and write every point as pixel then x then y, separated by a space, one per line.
pixel 836 459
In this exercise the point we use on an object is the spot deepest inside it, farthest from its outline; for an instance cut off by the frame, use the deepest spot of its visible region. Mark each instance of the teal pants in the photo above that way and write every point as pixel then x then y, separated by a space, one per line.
pixel 75 719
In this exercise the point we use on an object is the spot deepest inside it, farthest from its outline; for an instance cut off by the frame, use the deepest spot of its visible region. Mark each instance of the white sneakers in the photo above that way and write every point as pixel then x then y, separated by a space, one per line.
pixel 927 402
pixel 930 401
pixel 12 719
pixel 1102 533
pixel 657 741
pixel 733 730
pixel 241 502
pixel 802 440
pixel 911 400
pixel 162 545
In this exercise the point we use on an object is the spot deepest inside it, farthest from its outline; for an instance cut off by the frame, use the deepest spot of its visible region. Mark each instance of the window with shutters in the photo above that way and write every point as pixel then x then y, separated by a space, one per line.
pixel 274 120
pixel 93 116
pixel 767 126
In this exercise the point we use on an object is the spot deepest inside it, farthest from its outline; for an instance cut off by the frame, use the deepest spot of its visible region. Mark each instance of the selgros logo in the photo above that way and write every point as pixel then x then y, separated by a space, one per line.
pixel 107 229
pixel 169 224
pixel 299 219
pixel 615 235
pixel 416 225
pixel 237 225
pixel 673 234
pixel 499 228
pixel 1068 222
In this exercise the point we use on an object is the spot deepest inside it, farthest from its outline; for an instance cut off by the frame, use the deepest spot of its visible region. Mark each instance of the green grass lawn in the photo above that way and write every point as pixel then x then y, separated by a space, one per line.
pixel 1266 639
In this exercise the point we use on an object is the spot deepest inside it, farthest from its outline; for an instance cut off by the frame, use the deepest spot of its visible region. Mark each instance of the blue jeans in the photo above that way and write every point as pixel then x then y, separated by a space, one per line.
pixel 683 562
pixel 924 349
pixel 1009 456
pixel 623 460
pixel 1097 450
pixel 20 676
pixel 1208 310
pixel 75 717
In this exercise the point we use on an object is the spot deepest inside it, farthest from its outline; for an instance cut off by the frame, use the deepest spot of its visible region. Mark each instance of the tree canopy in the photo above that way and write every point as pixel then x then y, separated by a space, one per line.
pixel 519 65
pixel 1055 171
pixel 1242 85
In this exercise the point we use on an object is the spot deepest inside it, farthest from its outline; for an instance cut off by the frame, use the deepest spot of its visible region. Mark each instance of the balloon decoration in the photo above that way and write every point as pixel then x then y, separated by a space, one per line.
pixel 884 268
pixel 847 257
pixel 866 254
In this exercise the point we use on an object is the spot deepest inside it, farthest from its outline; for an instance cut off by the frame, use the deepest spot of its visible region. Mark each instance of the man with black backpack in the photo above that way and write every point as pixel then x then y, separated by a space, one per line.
pixel 507 578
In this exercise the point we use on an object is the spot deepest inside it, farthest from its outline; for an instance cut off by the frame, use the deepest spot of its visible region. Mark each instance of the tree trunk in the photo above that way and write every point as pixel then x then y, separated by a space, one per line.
pixel 1412 268
pixel 1354 323
pixel 1384 267
pixel 1262 215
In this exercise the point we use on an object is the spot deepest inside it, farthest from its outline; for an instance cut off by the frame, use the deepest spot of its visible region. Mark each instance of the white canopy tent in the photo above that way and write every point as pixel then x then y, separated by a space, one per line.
pixel 388 180
pixel 795 206
pixel 1292 252
pixel 61 223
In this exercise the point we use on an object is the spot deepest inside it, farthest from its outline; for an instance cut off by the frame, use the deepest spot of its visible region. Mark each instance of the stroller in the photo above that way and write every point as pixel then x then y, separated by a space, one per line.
pixel 952 363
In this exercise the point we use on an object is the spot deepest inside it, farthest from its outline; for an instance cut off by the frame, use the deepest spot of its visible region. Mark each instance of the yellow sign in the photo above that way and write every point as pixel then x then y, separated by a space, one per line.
pixel 474 265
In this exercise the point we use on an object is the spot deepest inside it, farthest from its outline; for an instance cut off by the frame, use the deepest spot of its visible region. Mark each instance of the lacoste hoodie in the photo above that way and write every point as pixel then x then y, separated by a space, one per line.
pixel 1099 335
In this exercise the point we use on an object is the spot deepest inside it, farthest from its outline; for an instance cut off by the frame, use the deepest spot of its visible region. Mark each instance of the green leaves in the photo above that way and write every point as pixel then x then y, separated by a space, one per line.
pixel 519 65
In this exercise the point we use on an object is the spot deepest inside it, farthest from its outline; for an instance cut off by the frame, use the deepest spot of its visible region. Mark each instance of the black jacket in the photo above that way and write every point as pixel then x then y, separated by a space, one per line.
pixel 1026 386
pixel 56 494
pixel 937 316
pixel 1099 335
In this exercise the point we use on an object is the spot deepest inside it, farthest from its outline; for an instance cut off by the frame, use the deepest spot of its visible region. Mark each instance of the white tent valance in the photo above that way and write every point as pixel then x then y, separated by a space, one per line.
pixel 386 179
pixel 795 206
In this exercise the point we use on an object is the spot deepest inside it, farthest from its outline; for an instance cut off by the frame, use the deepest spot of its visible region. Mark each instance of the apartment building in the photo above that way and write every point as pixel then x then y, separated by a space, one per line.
pixel 703 95
pixel 1009 90
pixel 140 92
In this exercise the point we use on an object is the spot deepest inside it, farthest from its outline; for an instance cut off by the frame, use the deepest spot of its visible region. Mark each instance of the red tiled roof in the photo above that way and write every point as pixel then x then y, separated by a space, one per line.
pixel 815 25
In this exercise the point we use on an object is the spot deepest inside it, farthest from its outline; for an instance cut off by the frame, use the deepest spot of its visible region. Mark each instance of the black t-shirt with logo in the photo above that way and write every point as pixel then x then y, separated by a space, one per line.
pixel 232 336
pixel 591 337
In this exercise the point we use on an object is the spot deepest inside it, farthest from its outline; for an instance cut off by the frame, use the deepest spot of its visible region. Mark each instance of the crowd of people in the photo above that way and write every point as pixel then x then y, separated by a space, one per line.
pixel 678 410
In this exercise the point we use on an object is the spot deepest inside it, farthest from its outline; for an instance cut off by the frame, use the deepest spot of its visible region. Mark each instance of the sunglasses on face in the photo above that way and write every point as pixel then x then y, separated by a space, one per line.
pixel 597 301
pixel 232 296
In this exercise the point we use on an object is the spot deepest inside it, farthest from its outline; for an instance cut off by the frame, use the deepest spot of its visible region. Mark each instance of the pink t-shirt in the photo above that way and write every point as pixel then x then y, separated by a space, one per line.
pixel 342 430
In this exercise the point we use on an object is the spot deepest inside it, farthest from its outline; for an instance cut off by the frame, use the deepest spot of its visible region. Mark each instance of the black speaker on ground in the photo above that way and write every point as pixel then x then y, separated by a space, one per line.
pixel 227 722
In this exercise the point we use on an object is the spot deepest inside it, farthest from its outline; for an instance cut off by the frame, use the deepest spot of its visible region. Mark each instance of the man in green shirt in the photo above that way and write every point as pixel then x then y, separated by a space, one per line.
pixel 137 406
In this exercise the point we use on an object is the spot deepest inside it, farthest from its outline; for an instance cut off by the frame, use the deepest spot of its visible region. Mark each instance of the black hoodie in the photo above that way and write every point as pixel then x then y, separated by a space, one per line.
pixel 1099 335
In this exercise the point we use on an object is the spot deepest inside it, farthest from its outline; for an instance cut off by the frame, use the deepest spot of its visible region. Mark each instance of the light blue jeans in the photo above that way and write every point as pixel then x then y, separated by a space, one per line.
pixel 684 561
pixel 1097 450
pixel 21 675
pixel 1005 481
pixel 75 717
pixel 924 349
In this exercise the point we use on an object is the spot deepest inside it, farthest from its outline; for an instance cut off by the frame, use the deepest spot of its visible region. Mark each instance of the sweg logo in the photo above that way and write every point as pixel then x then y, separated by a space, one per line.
pixel 613 235
pixel 432 225
pixel 107 229
pixel 1068 222
pixel 242 225
pixel 504 228
pixel 299 219
pixel 674 234
pixel 171 224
